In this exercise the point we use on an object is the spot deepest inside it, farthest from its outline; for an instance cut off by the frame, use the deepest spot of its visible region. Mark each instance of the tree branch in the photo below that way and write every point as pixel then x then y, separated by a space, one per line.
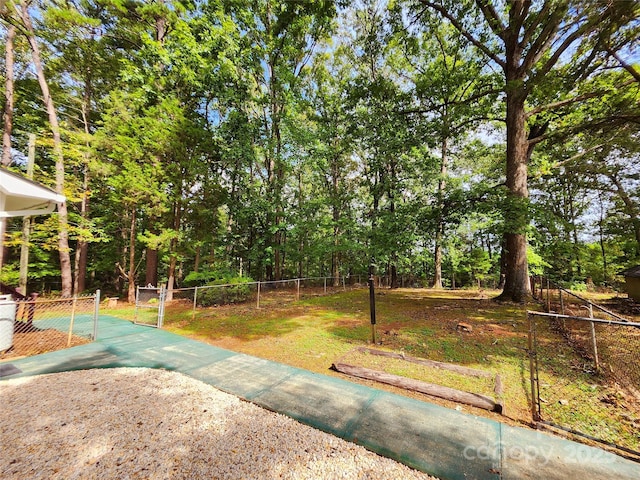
pixel 543 42
pixel 578 33
pixel 579 155
pixel 521 10
pixel 492 18
pixel 459 102
pixel 569 101
pixel 528 33
pixel 477 43
pixel 629 68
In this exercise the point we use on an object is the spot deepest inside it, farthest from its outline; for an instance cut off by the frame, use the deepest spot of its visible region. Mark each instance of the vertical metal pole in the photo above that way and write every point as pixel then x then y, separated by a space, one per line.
pixel 561 301
pixel 297 289
pixel 73 317
pixel 258 300
pixel 325 284
pixel 96 314
pixel 135 315
pixel 548 296
pixel 26 221
pixel 596 360
pixel 163 297
pixel 344 285
pixel 372 304
pixel 195 299
pixel 535 410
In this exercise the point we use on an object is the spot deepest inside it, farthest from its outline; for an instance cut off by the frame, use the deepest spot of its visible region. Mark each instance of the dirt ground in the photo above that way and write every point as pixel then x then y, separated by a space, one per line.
pixel 40 341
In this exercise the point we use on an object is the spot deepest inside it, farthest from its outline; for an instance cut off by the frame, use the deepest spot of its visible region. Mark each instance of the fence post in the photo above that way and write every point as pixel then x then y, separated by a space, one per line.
pixel 258 298
pixel 596 361
pixel 96 313
pixel 548 295
pixel 372 303
pixel 533 368
pixel 297 289
pixel 135 315
pixel 344 285
pixel 73 317
pixel 325 284
pixel 163 298
pixel 195 299
pixel 561 301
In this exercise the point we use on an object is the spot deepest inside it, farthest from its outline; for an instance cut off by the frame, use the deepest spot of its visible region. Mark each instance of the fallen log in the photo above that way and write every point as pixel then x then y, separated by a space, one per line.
pixel 439 391
pixel 428 363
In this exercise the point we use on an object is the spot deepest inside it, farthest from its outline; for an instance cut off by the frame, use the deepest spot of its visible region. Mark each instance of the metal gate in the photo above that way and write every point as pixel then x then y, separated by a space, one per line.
pixel 585 378
pixel 150 303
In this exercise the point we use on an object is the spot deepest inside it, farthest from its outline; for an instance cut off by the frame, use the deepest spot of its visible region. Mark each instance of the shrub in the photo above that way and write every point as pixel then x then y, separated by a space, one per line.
pixel 578 286
pixel 235 290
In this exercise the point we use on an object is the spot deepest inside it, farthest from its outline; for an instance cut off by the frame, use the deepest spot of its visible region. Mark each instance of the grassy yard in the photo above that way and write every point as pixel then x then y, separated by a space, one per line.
pixel 318 330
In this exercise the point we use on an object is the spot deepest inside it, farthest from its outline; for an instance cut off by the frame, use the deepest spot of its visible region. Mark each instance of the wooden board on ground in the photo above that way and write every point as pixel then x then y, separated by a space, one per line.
pixel 439 391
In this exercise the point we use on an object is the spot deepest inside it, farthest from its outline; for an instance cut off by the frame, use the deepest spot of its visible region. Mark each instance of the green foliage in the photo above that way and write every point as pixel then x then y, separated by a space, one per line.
pixel 577 286
pixel 286 138
pixel 225 290
pixel 476 264
pixel 536 263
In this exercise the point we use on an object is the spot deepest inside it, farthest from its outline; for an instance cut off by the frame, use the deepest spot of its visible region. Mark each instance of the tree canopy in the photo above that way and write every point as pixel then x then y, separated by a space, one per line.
pixel 448 142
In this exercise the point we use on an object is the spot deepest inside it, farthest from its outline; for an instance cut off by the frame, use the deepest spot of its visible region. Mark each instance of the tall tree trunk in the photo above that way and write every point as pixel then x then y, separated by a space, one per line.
pixel 131 276
pixel 335 217
pixel 173 251
pixel 82 248
pixel 151 256
pixel 26 221
pixel 392 208
pixel 605 269
pixel 151 269
pixel 8 122
pixel 79 283
pixel 335 255
pixel 437 257
pixel 335 260
pixel 516 282
pixel 301 234
pixel 196 262
pixel 63 227
pixel 437 254
pixel 8 97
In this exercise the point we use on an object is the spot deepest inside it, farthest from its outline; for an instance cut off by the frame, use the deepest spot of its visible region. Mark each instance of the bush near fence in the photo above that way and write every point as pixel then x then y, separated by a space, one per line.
pixel 225 291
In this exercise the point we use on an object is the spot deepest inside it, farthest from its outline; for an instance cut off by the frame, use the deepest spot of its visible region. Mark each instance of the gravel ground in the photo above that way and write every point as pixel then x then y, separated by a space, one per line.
pixel 130 423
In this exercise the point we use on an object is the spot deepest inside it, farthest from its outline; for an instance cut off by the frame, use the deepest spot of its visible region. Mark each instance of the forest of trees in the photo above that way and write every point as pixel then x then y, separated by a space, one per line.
pixel 458 142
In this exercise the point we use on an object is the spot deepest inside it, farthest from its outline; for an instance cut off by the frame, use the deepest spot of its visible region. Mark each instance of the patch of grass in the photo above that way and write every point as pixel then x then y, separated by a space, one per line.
pixel 403 368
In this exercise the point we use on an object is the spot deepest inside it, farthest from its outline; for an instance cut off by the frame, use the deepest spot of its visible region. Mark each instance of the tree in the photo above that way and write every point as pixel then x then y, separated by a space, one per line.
pixel 280 42
pixel 21 18
pixel 331 156
pixel 453 95
pixel 386 141
pixel 7 126
pixel 530 43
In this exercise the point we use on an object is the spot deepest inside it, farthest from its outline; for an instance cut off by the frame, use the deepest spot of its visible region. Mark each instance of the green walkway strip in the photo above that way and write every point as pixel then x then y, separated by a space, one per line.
pixel 442 442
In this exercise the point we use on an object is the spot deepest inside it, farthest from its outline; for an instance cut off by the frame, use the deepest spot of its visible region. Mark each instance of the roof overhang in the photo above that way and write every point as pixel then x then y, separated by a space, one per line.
pixel 21 197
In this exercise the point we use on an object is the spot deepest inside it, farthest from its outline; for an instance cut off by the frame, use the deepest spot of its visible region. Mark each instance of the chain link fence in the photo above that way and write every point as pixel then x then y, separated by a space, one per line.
pixel 49 324
pixel 585 370
pixel 150 303
pixel 261 294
